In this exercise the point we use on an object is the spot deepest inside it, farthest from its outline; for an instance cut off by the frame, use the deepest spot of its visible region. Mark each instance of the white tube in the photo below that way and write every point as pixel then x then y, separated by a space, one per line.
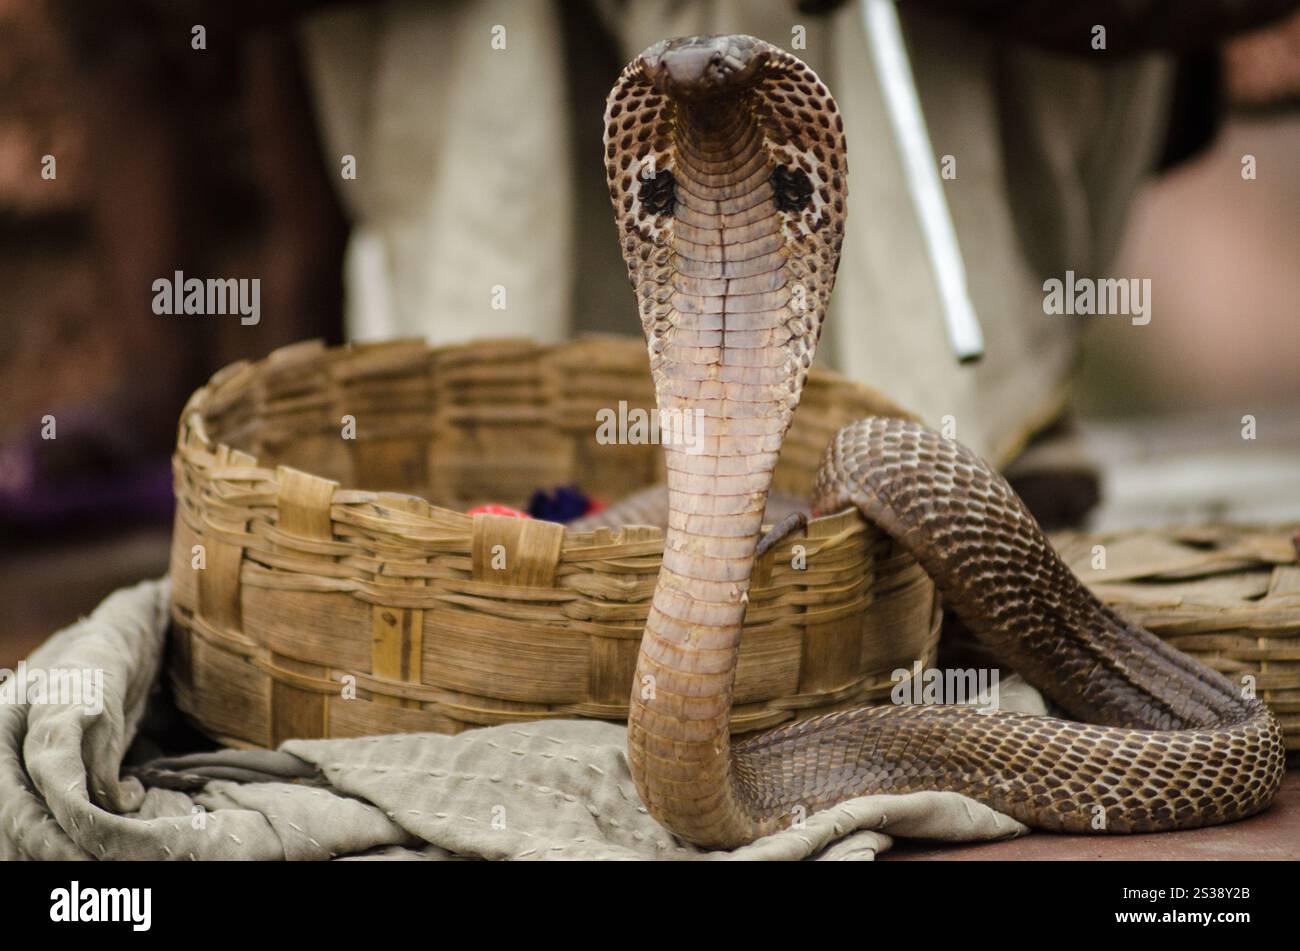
pixel 885 38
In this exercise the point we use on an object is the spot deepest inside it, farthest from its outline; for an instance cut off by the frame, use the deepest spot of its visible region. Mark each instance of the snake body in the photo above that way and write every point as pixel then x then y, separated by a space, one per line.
pixel 726 165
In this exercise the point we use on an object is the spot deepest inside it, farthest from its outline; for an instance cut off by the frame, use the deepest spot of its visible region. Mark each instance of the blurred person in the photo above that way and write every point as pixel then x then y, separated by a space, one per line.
pixel 464 118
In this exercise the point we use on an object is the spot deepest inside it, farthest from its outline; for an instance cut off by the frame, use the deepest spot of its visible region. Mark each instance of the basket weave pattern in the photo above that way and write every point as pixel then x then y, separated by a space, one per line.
pixel 329 587
pixel 1229 596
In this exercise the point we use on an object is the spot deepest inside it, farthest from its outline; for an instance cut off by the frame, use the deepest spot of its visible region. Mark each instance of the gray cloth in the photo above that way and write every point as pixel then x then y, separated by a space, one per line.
pixel 551 789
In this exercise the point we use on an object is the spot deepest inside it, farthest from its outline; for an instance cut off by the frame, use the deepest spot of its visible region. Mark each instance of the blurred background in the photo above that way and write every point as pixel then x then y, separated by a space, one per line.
pixel 225 160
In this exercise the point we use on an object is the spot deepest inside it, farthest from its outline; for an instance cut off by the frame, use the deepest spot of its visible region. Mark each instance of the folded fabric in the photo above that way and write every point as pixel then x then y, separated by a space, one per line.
pixel 557 789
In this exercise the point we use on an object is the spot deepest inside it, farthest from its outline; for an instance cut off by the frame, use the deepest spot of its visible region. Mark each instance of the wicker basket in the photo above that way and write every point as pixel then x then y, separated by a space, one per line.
pixel 332 600
pixel 1228 596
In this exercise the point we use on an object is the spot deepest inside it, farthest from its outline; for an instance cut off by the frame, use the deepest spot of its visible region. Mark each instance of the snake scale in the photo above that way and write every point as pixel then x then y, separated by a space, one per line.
pixel 726 165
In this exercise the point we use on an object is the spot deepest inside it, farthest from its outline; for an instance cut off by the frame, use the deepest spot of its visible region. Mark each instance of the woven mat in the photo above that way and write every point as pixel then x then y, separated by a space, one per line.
pixel 550 789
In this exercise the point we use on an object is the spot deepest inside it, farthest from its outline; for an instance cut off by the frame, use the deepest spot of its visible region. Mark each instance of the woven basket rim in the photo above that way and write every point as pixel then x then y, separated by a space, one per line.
pixel 192 423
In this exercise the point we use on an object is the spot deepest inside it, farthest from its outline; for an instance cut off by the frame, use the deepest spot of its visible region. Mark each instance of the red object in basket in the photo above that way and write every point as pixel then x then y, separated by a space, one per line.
pixel 495 509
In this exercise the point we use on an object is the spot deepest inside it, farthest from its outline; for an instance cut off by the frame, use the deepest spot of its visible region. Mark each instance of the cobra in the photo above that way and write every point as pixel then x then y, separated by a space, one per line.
pixel 726 165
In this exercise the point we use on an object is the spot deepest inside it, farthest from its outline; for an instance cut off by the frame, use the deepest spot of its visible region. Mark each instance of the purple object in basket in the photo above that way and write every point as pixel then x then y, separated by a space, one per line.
pixel 563 505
